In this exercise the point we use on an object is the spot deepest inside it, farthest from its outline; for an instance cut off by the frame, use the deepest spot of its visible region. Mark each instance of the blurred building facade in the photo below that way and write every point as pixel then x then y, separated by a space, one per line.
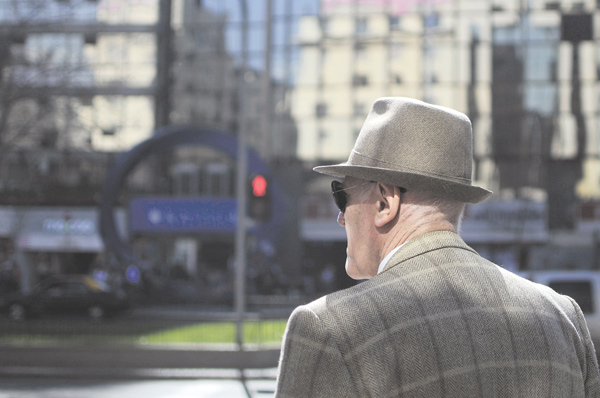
pixel 84 80
pixel 77 87
pixel 526 73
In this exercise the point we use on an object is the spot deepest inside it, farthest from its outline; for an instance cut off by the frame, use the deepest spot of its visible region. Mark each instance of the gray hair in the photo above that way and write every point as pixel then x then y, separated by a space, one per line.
pixel 452 210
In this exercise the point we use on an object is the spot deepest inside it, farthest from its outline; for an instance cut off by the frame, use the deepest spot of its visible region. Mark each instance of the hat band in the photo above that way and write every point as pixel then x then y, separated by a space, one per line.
pixel 358 159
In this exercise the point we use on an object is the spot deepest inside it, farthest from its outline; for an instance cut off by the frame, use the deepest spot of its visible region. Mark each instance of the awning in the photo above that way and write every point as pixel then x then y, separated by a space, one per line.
pixel 32 241
pixel 59 230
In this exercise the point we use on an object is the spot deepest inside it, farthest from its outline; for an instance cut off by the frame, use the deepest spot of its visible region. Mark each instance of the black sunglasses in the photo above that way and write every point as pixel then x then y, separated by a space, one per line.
pixel 341 197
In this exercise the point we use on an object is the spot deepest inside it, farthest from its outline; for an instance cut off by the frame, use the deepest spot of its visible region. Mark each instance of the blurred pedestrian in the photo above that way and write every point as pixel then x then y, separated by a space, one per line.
pixel 433 318
pixel 9 277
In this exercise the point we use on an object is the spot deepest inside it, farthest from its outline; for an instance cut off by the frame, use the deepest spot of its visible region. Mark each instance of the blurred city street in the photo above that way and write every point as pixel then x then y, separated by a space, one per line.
pixel 87 368
pixel 68 388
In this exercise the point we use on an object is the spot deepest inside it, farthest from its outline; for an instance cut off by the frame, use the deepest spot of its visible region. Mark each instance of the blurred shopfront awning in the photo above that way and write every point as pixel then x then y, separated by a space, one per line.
pixel 58 230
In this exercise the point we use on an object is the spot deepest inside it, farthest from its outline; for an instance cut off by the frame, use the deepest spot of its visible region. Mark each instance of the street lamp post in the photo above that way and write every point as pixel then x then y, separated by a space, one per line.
pixel 240 236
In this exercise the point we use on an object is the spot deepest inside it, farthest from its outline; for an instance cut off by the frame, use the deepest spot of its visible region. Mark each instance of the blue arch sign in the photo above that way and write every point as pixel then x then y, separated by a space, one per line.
pixel 182 215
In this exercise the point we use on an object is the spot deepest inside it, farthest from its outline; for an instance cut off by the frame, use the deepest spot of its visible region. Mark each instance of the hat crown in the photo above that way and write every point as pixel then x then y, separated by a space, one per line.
pixel 415 145
pixel 413 136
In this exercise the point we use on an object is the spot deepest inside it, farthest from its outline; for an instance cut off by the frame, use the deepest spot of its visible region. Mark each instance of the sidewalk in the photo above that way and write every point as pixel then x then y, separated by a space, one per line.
pixel 136 361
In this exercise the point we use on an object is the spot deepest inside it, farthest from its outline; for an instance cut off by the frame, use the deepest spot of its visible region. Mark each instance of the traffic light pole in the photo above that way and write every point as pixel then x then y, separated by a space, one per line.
pixel 241 185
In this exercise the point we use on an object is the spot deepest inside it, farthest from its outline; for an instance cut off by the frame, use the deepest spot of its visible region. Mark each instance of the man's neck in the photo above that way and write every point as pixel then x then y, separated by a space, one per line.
pixel 406 233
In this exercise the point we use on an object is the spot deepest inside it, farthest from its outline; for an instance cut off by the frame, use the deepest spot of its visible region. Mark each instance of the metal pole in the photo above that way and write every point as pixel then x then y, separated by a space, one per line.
pixel 267 144
pixel 427 51
pixel 240 236
pixel 162 99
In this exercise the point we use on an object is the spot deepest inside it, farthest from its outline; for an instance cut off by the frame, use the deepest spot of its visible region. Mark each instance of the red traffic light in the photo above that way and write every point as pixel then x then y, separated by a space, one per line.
pixel 259 186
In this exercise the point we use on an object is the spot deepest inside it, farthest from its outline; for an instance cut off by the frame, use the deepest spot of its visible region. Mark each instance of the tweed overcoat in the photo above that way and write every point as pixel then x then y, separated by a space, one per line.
pixel 439 321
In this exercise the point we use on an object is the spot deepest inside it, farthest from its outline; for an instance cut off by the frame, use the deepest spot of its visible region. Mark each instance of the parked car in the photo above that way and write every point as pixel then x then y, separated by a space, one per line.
pixel 581 285
pixel 67 294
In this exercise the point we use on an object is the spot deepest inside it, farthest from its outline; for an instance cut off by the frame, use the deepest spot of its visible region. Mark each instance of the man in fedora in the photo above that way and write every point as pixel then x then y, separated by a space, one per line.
pixel 433 318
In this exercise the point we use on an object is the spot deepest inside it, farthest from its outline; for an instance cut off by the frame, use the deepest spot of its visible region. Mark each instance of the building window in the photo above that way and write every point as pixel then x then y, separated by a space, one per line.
pixel 361 25
pixel 324 22
pixel 321 109
pixel 199 36
pixel 323 135
pixel 217 180
pixel 360 51
pixel 323 58
pixel 432 20
pixel 394 22
pixel 360 80
pixel 358 109
pixel 578 7
pixel 577 27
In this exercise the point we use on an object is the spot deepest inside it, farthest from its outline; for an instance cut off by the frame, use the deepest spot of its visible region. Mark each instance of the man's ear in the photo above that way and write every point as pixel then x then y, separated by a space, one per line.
pixel 388 204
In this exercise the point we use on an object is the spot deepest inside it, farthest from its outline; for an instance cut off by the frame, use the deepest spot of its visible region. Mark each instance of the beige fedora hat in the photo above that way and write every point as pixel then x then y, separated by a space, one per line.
pixel 415 145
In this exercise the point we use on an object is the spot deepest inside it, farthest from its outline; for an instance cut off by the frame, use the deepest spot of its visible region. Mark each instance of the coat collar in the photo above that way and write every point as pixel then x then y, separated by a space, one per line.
pixel 425 243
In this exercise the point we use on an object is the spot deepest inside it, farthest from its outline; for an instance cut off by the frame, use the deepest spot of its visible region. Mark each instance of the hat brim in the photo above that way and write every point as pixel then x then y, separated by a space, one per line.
pixel 465 193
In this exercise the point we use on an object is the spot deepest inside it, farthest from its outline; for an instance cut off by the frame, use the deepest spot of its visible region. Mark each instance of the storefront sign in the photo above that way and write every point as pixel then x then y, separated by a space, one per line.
pixel 183 215
pixel 80 226
pixel 59 230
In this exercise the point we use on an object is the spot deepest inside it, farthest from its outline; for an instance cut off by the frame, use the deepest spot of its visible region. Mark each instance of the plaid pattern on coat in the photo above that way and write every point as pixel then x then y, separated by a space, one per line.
pixel 439 321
